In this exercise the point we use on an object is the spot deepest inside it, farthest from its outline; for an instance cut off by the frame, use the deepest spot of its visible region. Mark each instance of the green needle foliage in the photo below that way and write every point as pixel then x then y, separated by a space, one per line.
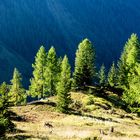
pixel 51 71
pixel 17 92
pixel 38 85
pixel 4 98
pixel 102 76
pixel 129 61
pixel 64 86
pixel 129 70
pixel 132 95
pixel 52 75
pixel 84 64
pixel 5 122
pixel 112 76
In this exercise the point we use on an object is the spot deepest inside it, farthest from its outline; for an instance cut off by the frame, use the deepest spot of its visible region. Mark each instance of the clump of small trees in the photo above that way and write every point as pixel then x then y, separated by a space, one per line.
pixel 53 76
pixel 126 75
pixel 13 94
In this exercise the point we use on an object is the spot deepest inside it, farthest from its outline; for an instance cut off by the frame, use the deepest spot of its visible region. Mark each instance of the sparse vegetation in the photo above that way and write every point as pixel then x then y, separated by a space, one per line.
pixel 75 126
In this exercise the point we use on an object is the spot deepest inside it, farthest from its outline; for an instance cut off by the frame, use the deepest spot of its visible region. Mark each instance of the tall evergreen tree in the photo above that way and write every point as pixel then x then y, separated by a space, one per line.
pixel 129 70
pixel 112 76
pixel 38 86
pixel 84 64
pixel 17 92
pixel 102 76
pixel 129 60
pixel 64 86
pixel 51 72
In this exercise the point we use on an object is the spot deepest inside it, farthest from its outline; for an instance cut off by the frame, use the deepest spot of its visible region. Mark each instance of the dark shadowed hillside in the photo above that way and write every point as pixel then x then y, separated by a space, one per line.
pixel 27 24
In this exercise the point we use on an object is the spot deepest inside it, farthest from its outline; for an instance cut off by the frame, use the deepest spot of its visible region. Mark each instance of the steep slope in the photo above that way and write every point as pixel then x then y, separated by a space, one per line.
pixel 89 119
pixel 27 24
pixel 9 60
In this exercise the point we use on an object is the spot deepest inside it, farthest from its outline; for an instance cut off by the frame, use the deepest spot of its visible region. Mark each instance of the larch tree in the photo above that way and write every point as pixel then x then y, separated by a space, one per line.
pixel 84 64
pixel 129 60
pixel 112 76
pixel 4 98
pixel 17 91
pixel 129 70
pixel 51 72
pixel 6 125
pixel 38 85
pixel 132 95
pixel 102 75
pixel 64 86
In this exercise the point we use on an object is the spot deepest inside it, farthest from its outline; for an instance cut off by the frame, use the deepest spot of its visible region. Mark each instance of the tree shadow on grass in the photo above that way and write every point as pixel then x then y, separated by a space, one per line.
pixel 101 118
pixel 24 137
pixel 105 107
pixel 72 112
pixel 18 137
pixel 16 117
pixel 117 102
pixel 42 103
pixel 21 135
pixel 114 98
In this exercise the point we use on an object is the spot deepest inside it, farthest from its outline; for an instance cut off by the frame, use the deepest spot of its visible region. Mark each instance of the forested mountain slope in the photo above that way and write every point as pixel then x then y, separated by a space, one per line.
pixel 27 24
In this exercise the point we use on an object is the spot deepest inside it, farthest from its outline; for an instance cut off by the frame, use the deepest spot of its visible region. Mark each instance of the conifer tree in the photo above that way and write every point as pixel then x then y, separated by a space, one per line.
pixel 84 64
pixel 5 120
pixel 112 77
pixel 129 70
pixel 17 92
pixel 38 86
pixel 51 72
pixel 102 76
pixel 4 98
pixel 59 62
pixel 129 60
pixel 132 95
pixel 64 86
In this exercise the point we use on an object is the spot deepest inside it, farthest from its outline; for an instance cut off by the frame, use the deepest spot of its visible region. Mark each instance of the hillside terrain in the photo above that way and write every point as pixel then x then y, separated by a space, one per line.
pixel 92 117
pixel 54 89
pixel 25 25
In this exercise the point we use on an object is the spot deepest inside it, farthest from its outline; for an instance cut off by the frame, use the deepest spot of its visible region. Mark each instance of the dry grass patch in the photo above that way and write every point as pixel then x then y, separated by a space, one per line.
pixel 84 126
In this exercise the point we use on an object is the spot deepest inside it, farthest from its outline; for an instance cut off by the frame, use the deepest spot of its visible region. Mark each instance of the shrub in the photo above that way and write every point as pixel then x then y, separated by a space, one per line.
pixel 3 125
pixel 138 113
pixel 90 91
pixel 89 100
pixel 76 105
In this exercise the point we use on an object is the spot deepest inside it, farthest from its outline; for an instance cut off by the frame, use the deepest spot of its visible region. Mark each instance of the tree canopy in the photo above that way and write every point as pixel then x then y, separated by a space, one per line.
pixel 64 86
pixel 84 64
pixel 38 85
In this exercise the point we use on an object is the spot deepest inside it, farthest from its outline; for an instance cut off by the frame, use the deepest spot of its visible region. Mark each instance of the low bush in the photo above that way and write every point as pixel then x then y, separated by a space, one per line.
pixel 5 126
pixel 89 100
